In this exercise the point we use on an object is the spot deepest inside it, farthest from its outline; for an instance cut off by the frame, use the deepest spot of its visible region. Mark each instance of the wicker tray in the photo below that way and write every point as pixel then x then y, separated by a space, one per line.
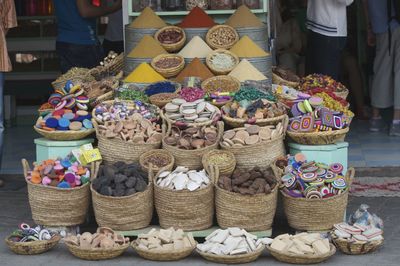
pixel 64 135
pixel 226 169
pixel 96 254
pixel 280 81
pixel 32 248
pixel 162 102
pixel 219 71
pixel 168 72
pixel 155 169
pixel 318 138
pixel 356 248
pixel 238 122
pixel 301 259
pixel 163 256
pixel 214 45
pixel 232 259
pixel 174 47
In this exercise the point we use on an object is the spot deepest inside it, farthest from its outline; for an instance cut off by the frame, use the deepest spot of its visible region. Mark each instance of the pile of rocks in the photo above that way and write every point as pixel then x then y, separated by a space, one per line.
pixel 181 178
pixel 232 241
pixel 248 182
pixel 120 180
pixel 104 238
pixel 302 244
pixel 165 240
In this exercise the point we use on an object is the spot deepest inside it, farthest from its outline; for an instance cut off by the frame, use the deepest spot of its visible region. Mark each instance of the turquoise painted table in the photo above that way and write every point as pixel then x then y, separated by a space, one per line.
pixel 51 149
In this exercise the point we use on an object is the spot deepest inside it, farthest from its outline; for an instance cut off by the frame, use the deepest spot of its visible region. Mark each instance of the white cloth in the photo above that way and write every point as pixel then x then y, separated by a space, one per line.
pixel 328 17
pixel 114 31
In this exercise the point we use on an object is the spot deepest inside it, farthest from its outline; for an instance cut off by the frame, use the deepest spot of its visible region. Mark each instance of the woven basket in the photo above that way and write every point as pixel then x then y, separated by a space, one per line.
pixel 318 138
pixel 163 256
pixel 342 94
pixel 59 85
pixel 32 248
pixel 171 122
pixel 280 81
pixel 301 259
pixel 103 98
pixel 162 102
pixel 219 71
pixel 96 254
pixel 227 168
pixel 54 206
pixel 214 45
pixel 168 72
pixel 174 47
pixel 64 135
pixel 317 214
pixel 192 158
pixel 188 210
pixel 232 259
pixel 238 122
pixel 124 213
pixel 356 248
pixel 155 169
pixel 222 81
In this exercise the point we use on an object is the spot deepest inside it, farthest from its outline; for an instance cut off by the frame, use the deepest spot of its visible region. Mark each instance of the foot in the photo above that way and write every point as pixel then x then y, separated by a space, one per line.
pixel 377 125
pixel 394 130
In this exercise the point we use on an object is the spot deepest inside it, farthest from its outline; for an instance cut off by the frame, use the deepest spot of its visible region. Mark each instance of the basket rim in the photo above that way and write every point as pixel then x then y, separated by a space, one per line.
pixel 55 238
pixel 232 158
pixel 241 120
pixel 96 250
pixel 135 246
pixel 220 77
pixel 159 57
pixel 148 187
pixel 239 256
pixel 170 45
pixel 338 240
pixel 64 133
pixel 332 251
pixel 216 27
pixel 320 133
pixel 143 156
pixel 221 51
pixel 281 137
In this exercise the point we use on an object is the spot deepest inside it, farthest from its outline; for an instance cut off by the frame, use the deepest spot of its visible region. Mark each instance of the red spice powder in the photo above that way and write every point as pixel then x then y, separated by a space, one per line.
pixel 197 18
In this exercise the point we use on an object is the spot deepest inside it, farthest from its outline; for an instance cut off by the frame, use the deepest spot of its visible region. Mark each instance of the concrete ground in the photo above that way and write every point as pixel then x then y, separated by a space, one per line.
pixel 14 209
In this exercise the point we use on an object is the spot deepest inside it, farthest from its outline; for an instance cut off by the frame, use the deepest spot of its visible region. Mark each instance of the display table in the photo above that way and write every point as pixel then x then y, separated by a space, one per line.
pixel 46 149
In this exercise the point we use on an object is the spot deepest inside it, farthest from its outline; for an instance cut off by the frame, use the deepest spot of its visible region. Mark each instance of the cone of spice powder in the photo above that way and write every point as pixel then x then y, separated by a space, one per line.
pixel 246 71
pixel 148 20
pixel 197 18
pixel 144 73
pixel 195 48
pixel 244 18
pixel 245 47
pixel 195 69
pixel 148 47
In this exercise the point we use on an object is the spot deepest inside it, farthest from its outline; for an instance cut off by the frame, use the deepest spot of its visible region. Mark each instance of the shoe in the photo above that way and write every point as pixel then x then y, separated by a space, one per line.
pixel 377 125
pixel 394 130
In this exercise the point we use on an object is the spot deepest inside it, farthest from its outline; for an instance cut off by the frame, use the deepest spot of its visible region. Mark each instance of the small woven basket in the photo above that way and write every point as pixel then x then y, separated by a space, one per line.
pixel 218 71
pixel 168 72
pixel 357 247
pixel 225 169
pixel 98 253
pixel 211 35
pixel 280 81
pixel 317 214
pixel 164 153
pixel 192 158
pixel 173 47
pixel 188 210
pixel 64 135
pixel 162 101
pixel 221 83
pixel 34 247
pixel 318 138
pixel 124 213
pixel 232 259
pixel 54 206
pixel 168 121
pixel 163 256
pixel 301 259
pixel 238 122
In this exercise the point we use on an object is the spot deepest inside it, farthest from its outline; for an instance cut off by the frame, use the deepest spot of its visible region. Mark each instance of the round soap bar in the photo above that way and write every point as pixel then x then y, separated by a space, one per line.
pixel 70 178
pixel 52 122
pixel 61 105
pixel 87 124
pixel 63 122
pixel 316 101
pixel 76 125
pixel 82 113
pixel 68 86
pixel 69 116
pixel 64 184
pixel 66 163
pixel 60 112
pixel 70 103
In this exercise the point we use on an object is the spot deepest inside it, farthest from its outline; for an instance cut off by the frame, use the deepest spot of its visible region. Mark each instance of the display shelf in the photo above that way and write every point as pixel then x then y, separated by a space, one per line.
pixel 210 12
pixel 31 44
pixel 35 17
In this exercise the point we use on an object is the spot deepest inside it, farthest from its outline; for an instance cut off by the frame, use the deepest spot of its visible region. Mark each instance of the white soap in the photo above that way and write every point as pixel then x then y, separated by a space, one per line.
pixel 278 245
pixel 238 251
pixel 230 244
pixel 192 185
pixel 213 234
pixel 220 237
pixel 235 231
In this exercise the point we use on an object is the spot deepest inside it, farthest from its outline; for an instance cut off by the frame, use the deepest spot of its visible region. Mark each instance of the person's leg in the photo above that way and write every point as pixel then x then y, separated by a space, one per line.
pixel 382 83
pixel 1 120
pixel 309 60
pixel 395 128
pixel 75 55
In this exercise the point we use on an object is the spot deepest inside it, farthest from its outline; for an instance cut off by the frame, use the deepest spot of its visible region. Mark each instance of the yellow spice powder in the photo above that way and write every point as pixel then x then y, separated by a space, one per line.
pixel 148 47
pixel 245 47
pixel 148 19
pixel 144 73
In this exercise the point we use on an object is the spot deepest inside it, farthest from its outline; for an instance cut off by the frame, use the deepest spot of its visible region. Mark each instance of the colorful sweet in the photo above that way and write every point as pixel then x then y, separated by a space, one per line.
pixel 321 82
pixel 26 233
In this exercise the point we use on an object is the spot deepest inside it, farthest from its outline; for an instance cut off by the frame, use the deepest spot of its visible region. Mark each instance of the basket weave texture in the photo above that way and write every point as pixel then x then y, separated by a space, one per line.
pixel 174 47
pixel 229 165
pixel 318 138
pixel 303 259
pixel 96 254
pixel 232 259
pixel 32 248
pixel 238 122
pixel 356 248
pixel 163 256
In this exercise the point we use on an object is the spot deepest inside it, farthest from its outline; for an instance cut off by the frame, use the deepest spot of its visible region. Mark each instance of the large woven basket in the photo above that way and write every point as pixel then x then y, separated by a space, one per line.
pixel 280 81
pixel 32 248
pixel 174 47
pixel 301 259
pixel 54 206
pixel 229 165
pixel 98 253
pixel 64 135
pixel 238 122
pixel 168 72
pixel 356 248
pixel 222 82
pixel 317 214
pixel 124 213
pixel 232 259
pixel 192 158
pixel 163 256
pixel 188 210
pixel 220 71
pixel 342 94
pixel 318 138
pixel 168 121
pixel 160 152
pixel 214 45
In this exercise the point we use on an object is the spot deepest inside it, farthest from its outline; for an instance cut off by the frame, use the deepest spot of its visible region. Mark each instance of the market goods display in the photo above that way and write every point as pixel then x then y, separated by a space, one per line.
pixel 101 90
pixel 27 240
pixel 168 65
pixel 148 19
pixel 161 87
pixel 185 209
pixel 144 73
pixel 196 47
pixel 246 71
pixel 172 38
pixel 64 180
pixel 323 83
pixel 197 18
pixel 220 89
pixel 244 18
pixel 194 69
pixel 102 245
pixel 161 99
pixel 361 235
pixel 246 48
pixel 75 74
pixel 181 178
pixel 156 160
pixel 222 37
pixel 313 202
pixel 191 94
pixel 331 101
pixel 224 160
pixel 221 61
pixel 198 111
pixel 192 138
pixel 304 248
pixel 130 92
pixel 164 245
pixel 148 47
pixel 231 246
pixel 284 77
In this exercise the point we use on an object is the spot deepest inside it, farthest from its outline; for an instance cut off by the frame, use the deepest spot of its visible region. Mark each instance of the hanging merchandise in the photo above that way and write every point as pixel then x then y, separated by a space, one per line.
pixel 221 4
pixel 192 4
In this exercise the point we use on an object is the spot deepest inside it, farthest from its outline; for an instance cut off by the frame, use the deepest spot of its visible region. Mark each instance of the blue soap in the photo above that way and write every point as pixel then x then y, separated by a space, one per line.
pixel 87 124
pixel 64 184
pixel 68 86
pixel 63 122
pixel 79 118
pixel 66 163
pixel 69 116
pixel 52 122
pixel 62 128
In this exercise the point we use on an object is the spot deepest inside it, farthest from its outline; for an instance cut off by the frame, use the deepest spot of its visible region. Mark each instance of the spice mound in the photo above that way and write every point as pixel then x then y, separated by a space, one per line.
pixel 248 182
pixel 192 138
pixel 165 240
pixel 144 73
pixel 198 111
pixel 301 244
pixel 181 178
pixel 104 238
pixel 120 180
pixel 197 17
pixel 231 241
